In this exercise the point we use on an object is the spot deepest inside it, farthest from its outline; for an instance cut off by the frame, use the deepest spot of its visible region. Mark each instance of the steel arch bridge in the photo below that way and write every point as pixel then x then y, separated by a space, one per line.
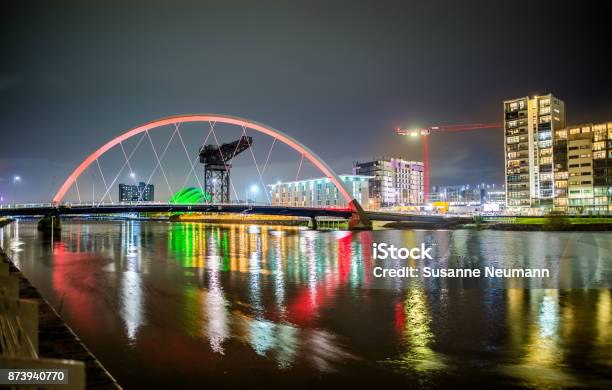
pixel 358 219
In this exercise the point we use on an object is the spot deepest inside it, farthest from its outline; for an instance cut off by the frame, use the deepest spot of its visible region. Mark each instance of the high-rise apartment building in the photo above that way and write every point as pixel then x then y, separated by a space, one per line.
pixel 394 182
pixel 529 127
pixel 134 193
pixel 587 179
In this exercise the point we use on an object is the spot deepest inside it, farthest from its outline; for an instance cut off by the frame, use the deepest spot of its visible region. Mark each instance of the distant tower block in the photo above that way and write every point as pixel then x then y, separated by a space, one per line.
pixel 217 164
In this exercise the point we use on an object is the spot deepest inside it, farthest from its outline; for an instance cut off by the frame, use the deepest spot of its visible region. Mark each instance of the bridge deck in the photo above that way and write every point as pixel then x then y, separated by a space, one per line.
pixel 80 209
pixel 306 212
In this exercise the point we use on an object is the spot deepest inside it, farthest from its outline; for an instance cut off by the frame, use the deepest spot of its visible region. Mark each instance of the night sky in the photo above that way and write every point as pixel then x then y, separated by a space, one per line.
pixel 337 75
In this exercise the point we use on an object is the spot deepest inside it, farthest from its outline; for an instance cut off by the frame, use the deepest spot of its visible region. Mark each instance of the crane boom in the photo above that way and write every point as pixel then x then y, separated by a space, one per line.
pixel 424 133
pixel 428 130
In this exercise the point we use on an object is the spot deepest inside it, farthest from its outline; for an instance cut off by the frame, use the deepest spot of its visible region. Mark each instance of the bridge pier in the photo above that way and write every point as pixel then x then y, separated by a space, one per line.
pixel 313 223
pixel 50 223
pixel 359 220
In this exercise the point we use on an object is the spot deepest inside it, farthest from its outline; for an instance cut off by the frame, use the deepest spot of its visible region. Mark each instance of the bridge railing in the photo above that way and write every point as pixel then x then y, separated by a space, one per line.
pixel 13 206
pixel 150 203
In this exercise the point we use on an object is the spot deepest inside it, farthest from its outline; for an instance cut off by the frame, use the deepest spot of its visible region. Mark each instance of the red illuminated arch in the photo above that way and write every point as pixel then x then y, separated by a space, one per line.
pixel 233 120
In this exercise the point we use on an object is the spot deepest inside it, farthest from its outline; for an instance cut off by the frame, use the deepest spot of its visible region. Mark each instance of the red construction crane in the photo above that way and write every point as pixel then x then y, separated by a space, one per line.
pixel 426 131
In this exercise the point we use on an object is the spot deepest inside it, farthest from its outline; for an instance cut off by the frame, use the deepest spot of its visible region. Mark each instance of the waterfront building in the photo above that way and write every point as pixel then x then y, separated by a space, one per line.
pixel 133 193
pixel 394 181
pixel 585 174
pixel 530 164
pixel 319 192
pixel 468 195
pixel 496 196
pixel 468 199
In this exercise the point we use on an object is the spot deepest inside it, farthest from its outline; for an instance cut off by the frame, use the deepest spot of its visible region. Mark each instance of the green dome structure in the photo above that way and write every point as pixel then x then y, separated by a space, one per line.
pixel 190 195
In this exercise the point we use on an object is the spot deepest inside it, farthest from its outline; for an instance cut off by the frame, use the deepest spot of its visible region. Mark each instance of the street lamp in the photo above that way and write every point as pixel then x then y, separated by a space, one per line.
pixel 16 179
pixel 254 191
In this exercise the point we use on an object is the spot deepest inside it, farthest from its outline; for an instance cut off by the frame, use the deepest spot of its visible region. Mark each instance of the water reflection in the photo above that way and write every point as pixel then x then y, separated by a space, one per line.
pixel 417 335
pixel 287 301
pixel 131 283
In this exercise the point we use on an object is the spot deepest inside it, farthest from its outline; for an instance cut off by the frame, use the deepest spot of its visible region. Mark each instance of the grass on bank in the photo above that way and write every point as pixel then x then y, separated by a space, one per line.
pixel 557 219
pixel 573 221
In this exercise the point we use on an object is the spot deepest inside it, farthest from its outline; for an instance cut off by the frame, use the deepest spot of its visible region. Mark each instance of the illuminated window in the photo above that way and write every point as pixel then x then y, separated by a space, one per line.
pixel 545 160
pixel 546 152
pixel 544 102
pixel 545 144
pixel 545 119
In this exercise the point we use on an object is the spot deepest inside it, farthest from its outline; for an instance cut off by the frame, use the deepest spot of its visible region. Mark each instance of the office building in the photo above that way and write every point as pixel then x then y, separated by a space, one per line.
pixel 319 192
pixel 531 166
pixel 584 178
pixel 134 193
pixel 394 181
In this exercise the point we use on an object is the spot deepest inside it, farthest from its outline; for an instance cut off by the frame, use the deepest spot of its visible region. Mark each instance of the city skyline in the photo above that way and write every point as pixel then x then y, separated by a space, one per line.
pixel 323 74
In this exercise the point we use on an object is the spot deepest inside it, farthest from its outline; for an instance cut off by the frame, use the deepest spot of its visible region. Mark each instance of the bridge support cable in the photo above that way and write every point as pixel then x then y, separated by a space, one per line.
pixel 263 183
pixel 224 160
pixel 268 158
pixel 193 161
pixel 76 184
pixel 210 152
pixel 299 168
pixel 130 165
pixel 128 159
pixel 159 163
pixel 125 164
pixel 105 186
pixel 189 159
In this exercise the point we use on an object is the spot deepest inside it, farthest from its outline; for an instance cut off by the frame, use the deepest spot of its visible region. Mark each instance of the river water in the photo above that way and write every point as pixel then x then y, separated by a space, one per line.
pixel 189 304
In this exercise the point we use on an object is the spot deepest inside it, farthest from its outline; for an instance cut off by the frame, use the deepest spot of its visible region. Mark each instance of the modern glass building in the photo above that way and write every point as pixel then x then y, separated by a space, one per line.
pixel 319 192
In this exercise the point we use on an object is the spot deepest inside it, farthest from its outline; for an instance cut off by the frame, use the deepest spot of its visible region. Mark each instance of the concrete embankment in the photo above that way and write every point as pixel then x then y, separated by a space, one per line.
pixel 55 338
pixel 434 224
pixel 522 227
pixel 586 227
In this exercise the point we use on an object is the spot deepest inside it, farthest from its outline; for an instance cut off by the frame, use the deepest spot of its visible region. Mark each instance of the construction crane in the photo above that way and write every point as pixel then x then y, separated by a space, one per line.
pixel 217 162
pixel 425 132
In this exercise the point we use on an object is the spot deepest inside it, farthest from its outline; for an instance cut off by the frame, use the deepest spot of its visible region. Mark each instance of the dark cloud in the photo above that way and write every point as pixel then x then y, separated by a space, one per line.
pixel 339 76
pixel 7 82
